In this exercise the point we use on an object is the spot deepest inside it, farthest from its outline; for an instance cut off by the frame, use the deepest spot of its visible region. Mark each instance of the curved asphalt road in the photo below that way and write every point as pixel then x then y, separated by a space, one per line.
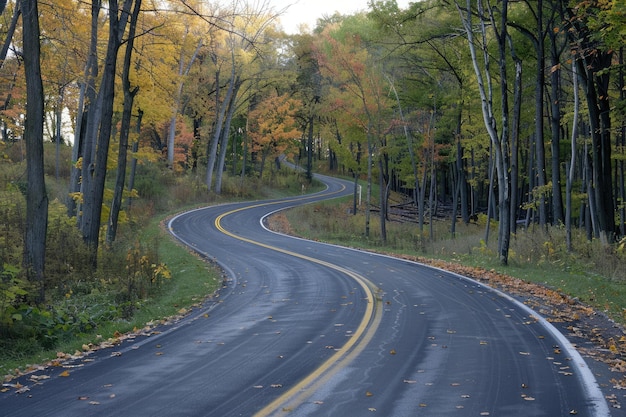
pixel 308 329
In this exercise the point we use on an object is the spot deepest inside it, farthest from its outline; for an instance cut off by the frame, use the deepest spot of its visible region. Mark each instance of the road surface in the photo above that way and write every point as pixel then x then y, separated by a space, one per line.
pixel 308 329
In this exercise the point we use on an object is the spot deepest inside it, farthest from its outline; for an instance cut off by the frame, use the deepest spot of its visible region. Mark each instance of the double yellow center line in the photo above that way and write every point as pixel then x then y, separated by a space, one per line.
pixel 297 394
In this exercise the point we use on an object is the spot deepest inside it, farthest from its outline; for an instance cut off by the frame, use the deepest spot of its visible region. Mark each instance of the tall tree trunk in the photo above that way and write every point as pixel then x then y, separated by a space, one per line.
pixel 58 121
pixel 225 137
pixel 36 195
pixel 383 201
pixel 309 147
pixel 594 75
pixel 133 162
pixel 10 31
pixel 500 141
pixel 421 200
pixel 83 143
pixel 244 151
pixel 129 97
pixel 490 197
pixel 621 144
pixel 540 150
pixel 572 166
pixel 368 196
pixel 555 82
pixel 456 186
pixel 94 195
pixel 515 133
pixel 219 124
pixel 355 192
pixel 431 197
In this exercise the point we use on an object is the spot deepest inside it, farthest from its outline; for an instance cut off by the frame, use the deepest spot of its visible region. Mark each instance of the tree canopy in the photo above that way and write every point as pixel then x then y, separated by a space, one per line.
pixel 427 101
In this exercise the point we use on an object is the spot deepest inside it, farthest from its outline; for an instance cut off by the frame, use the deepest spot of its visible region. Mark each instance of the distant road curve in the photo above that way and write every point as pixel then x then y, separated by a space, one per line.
pixel 310 329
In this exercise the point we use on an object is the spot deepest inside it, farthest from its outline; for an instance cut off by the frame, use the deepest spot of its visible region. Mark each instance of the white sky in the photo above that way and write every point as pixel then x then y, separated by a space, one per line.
pixel 308 11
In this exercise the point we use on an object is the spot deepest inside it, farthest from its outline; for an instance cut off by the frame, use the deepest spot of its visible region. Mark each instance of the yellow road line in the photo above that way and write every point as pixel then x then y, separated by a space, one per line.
pixel 359 340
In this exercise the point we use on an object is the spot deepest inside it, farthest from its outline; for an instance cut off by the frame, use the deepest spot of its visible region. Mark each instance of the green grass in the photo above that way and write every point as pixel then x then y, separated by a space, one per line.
pixel 592 274
pixel 193 279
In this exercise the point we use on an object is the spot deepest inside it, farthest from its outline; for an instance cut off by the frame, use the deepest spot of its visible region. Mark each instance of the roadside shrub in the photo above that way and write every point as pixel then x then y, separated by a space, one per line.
pixel 12 207
pixel 187 190
pixel 150 182
pixel 50 160
pixel 144 273
pixel 65 251
pixel 13 292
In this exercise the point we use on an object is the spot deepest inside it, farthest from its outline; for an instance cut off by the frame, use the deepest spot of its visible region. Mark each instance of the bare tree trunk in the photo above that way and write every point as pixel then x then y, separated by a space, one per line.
pixel 620 169
pixel 94 195
pixel 219 125
pixel 572 165
pixel 133 162
pixel 540 154
pixel 368 197
pixel 500 141
pixel 555 102
pixel 36 195
pixel 517 110
pixel 129 97
pixel 383 201
pixel 10 31
pixel 83 141
pixel 431 197
pixel 595 78
pixel 244 152
pixel 355 192
pixel 456 175
pixel 225 138
pixel 421 201
pixel 309 147
pixel 490 198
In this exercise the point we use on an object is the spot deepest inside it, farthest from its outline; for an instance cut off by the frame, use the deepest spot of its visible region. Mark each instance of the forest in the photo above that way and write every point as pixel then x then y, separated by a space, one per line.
pixel 503 113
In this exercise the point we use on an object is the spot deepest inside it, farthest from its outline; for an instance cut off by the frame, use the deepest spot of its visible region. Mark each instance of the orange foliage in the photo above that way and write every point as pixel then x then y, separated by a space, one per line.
pixel 273 125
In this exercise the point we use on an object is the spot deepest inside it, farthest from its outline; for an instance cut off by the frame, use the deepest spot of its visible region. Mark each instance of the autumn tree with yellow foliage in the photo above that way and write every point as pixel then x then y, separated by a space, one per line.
pixel 274 128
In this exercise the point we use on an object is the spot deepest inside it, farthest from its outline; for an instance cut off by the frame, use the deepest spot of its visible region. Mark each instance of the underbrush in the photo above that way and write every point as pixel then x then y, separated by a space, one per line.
pixel 143 277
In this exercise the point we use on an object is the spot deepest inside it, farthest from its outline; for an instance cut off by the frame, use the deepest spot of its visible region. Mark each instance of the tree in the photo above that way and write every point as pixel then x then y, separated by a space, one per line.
pixel 273 127
pixel 94 174
pixel 361 92
pixel 499 140
pixel 424 62
pixel 86 112
pixel 129 96
pixel 184 67
pixel 36 195
pixel 593 69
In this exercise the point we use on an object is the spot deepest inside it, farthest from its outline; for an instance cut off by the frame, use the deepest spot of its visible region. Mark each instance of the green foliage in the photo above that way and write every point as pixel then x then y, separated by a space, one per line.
pixel 13 290
pixel 144 273
pixel 150 182
pixel 591 271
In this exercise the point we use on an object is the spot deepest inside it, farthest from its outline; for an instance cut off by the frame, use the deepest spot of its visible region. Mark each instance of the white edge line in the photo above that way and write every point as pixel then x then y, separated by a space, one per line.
pixel 589 382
